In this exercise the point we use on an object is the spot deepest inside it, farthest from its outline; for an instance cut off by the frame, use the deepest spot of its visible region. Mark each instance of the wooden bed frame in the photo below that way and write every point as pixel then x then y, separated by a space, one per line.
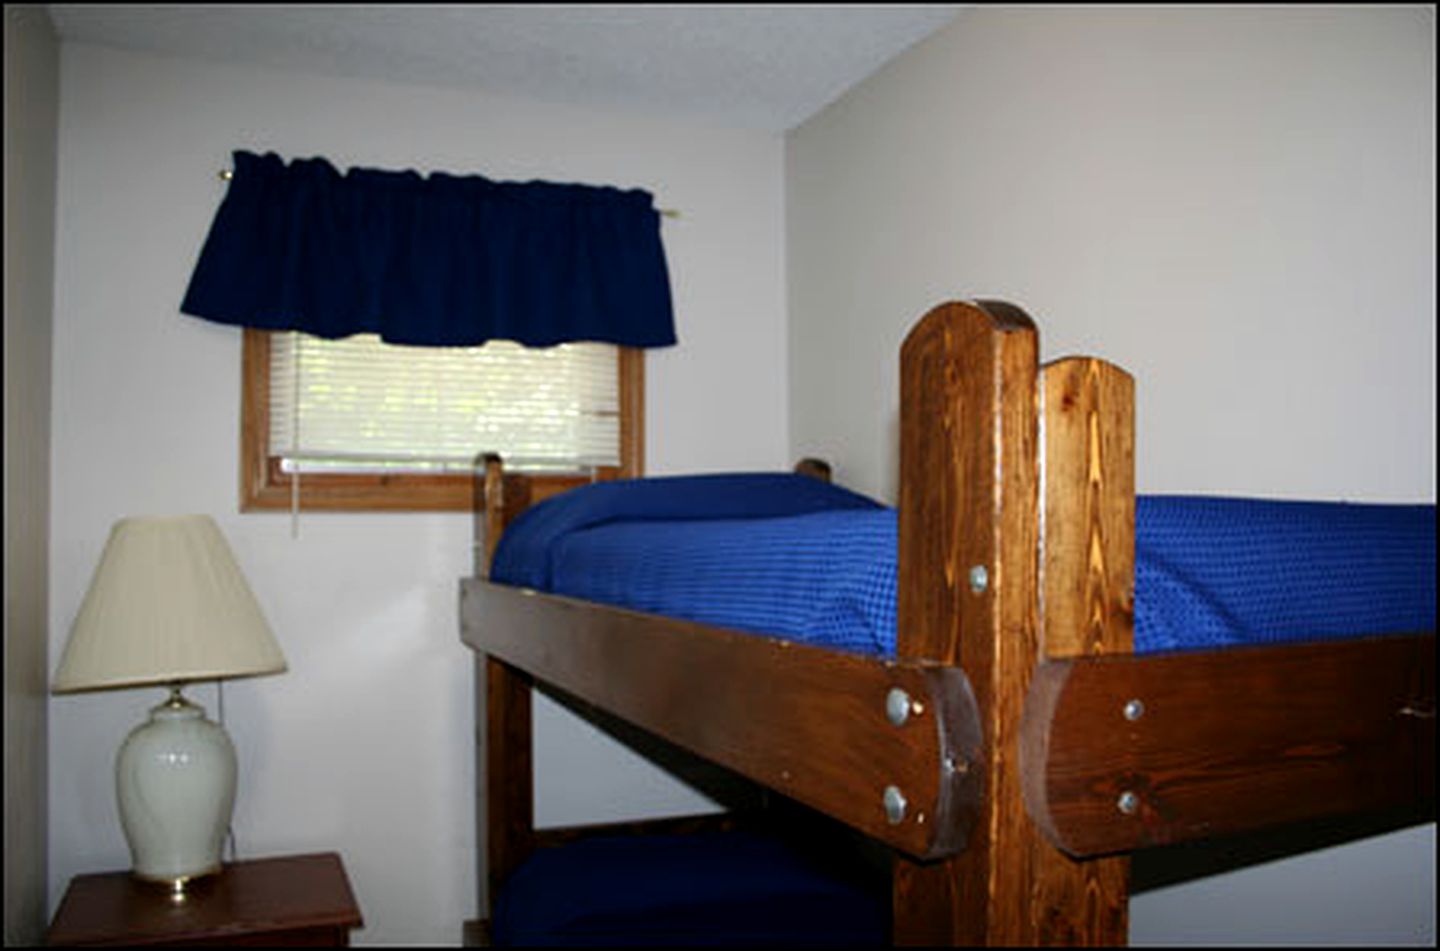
pixel 1016 750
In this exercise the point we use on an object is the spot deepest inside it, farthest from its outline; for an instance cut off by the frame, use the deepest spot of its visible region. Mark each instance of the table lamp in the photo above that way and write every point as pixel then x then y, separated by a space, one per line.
pixel 169 605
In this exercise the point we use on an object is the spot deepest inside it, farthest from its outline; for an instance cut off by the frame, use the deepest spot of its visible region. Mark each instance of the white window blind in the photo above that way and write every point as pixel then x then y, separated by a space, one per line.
pixel 360 405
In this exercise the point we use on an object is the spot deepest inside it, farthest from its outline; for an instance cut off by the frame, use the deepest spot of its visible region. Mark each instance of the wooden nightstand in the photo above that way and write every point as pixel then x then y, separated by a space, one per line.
pixel 297 900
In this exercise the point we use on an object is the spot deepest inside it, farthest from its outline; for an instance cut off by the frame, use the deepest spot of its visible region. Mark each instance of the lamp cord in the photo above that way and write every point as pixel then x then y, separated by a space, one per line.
pixel 220 711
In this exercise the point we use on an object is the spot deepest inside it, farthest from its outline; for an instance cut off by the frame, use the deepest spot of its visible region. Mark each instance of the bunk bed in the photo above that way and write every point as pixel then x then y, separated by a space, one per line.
pixel 1014 747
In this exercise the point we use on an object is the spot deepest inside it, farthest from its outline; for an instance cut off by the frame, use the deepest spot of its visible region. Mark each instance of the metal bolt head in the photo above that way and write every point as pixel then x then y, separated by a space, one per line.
pixel 897 706
pixel 1128 803
pixel 979 578
pixel 1134 710
pixel 894 804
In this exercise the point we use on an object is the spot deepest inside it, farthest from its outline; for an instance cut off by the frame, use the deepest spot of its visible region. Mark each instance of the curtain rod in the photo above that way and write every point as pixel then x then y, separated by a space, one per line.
pixel 226 175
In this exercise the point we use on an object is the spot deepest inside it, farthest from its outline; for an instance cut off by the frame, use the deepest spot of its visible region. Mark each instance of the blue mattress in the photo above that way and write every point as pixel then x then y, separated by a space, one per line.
pixel 792 557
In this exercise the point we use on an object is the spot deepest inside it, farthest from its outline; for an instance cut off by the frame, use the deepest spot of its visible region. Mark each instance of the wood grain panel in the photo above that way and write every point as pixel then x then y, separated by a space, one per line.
pixel 806 722
pixel 971 496
pixel 1087 585
pixel 1088 535
pixel 968 503
pixel 1227 741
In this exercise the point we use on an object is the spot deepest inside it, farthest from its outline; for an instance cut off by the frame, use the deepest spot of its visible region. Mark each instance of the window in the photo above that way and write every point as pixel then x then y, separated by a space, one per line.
pixel 371 426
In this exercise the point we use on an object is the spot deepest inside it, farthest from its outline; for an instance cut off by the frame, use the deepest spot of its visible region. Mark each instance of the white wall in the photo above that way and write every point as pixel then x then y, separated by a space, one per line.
pixel 32 96
pixel 1237 205
pixel 365 745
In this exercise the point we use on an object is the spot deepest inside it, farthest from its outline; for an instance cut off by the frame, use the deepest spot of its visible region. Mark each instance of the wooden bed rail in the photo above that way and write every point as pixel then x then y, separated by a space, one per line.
pixel 1121 753
pixel 902 770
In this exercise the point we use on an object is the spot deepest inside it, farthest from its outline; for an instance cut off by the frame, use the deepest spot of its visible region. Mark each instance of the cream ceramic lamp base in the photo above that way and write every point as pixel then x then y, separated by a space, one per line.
pixel 175 779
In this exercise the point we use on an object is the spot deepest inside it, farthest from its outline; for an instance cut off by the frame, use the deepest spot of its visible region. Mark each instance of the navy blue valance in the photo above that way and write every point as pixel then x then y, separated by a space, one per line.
pixel 441 260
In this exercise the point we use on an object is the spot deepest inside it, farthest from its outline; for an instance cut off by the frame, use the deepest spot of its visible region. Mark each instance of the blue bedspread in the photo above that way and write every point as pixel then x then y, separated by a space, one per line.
pixel 793 557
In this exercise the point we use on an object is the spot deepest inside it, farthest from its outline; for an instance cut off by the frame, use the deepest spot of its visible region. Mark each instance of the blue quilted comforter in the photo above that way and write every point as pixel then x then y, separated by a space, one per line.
pixel 792 557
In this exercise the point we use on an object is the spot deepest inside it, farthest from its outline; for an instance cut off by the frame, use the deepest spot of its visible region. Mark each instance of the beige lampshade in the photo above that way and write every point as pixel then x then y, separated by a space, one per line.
pixel 167 604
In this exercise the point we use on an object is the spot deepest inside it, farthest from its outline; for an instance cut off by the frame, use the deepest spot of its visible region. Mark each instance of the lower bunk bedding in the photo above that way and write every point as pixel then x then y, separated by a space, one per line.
pixel 725 888
pixel 791 557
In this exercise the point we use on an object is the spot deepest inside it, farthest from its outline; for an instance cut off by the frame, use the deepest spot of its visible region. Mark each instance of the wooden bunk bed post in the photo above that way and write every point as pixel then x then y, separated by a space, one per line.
pixel 505 814
pixel 971 591
pixel 1087 583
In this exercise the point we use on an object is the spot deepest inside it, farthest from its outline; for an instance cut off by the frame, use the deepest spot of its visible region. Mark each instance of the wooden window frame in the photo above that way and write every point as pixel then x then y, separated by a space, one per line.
pixel 264 487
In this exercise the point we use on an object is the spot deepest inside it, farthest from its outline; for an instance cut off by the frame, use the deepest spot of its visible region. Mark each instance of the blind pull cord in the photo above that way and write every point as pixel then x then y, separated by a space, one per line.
pixel 295 437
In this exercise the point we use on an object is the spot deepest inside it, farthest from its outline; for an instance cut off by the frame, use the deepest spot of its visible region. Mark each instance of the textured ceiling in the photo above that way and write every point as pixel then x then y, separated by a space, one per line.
pixel 762 67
